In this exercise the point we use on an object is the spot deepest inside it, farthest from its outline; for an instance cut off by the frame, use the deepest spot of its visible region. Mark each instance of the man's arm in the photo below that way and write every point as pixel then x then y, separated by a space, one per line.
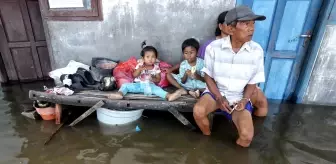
pixel 258 77
pixel 212 86
pixel 199 77
pixel 208 71
pixel 221 100
pixel 248 90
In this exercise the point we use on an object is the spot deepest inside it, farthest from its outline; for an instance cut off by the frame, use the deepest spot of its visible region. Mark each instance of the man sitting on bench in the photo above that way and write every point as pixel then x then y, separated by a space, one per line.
pixel 234 65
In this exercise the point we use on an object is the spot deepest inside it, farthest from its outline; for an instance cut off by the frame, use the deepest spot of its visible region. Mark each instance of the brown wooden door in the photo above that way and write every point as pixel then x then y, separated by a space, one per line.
pixel 22 41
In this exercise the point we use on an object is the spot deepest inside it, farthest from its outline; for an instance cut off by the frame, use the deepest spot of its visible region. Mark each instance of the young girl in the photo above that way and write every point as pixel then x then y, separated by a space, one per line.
pixel 190 76
pixel 146 71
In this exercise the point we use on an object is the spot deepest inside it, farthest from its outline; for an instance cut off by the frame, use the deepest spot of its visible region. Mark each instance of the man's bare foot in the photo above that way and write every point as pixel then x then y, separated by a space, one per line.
pixel 116 96
pixel 182 91
pixel 173 96
pixel 195 94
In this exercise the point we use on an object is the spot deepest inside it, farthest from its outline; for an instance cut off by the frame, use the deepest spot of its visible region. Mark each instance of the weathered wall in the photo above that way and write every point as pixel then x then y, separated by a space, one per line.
pixel 165 24
pixel 322 84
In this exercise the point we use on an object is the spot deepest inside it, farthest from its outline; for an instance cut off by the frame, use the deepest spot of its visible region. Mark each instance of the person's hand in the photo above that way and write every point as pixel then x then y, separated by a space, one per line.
pixel 241 104
pixel 140 61
pixel 152 77
pixel 224 104
pixel 189 74
pixel 143 68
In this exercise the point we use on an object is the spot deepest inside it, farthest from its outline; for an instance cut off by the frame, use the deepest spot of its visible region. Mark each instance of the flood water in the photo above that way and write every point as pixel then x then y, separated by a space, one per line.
pixel 289 134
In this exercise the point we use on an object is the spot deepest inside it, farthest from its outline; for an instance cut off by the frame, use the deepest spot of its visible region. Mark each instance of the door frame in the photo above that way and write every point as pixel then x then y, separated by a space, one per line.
pixel 318 34
pixel 3 74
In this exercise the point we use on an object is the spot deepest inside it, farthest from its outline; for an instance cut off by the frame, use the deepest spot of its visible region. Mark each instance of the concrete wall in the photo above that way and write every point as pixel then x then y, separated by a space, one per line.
pixel 165 24
pixel 322 84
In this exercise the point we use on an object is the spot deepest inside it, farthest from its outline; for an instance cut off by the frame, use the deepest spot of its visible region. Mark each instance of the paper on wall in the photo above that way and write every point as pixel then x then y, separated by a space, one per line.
pixel 65 3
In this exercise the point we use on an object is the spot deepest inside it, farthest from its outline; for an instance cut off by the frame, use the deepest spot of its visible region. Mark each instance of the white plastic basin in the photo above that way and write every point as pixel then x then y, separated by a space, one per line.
pixel 117 130
pixel 113 117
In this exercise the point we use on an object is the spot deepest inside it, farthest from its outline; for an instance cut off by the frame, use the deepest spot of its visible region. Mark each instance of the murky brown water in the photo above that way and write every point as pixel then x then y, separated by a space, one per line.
pixel 290 134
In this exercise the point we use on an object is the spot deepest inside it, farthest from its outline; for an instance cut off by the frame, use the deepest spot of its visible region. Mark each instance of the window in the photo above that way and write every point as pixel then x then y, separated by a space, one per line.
pixel 72 10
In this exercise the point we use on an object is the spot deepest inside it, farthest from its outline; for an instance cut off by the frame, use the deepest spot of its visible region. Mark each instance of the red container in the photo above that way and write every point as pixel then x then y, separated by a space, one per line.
pixel 47 113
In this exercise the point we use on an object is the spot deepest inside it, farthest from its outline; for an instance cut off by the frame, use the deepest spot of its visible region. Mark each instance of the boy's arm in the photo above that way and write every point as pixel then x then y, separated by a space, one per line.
pixel 200 75
pixel 174 68
pixel 184 73
pixel 184 78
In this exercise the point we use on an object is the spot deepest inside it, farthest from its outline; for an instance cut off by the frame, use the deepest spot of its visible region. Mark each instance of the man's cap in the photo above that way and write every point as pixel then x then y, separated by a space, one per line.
pixel 221 17
pixel 242 13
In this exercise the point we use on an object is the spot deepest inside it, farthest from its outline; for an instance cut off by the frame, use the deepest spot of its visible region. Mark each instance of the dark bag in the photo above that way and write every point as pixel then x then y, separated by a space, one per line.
pixel 102 67
pixel 107 84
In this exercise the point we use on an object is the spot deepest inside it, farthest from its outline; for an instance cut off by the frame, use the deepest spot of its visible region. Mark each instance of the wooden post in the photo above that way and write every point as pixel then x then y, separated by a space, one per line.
pixel 53 134
pixel 57 130
pixel 88 112
pixel 181 118
pixel 58 113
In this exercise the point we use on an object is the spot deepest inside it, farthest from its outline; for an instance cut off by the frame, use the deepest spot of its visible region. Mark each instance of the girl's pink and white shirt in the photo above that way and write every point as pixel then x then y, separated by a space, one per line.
pixel 146 74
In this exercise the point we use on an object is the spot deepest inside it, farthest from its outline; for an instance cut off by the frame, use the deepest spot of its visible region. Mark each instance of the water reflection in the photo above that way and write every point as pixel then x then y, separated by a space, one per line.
pixel 289 134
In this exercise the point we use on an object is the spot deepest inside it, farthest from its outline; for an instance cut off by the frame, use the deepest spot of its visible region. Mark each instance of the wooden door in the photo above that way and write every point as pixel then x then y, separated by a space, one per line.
pixel 285 37
pixel 22 41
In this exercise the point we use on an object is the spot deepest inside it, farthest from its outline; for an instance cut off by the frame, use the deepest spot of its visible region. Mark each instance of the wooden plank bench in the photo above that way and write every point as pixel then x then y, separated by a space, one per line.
pixel 130 102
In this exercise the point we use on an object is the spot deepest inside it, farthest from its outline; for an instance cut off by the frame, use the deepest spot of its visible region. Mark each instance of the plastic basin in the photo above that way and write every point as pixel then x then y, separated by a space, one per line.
pixel 46 113
pixel 114 117
pixel 117 130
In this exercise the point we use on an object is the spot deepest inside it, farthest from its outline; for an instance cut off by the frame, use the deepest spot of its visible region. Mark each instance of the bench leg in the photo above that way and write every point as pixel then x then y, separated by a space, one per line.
pixel 88 112
pixel 181 118
pixel 58 113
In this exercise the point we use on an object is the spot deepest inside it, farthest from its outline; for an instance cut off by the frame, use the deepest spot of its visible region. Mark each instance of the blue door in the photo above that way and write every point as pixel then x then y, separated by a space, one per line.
pixel 285 37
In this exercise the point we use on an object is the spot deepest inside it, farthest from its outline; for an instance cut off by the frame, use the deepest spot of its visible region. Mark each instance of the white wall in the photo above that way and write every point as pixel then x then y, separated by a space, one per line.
pixel 164 23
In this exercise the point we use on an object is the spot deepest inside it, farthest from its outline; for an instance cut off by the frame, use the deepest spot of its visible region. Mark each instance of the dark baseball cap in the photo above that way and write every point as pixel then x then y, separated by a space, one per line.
pixel 242 13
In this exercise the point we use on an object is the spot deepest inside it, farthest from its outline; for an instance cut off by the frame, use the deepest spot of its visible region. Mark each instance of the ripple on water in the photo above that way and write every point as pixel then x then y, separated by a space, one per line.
pixel 330 121
pixel 100 157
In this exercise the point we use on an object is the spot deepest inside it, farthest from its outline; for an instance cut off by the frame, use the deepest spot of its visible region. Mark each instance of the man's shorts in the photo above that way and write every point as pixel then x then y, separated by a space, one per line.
pixel 248 107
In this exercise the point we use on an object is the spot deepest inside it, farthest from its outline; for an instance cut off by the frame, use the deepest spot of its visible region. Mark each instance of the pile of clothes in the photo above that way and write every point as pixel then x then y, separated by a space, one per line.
pixel 77 76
